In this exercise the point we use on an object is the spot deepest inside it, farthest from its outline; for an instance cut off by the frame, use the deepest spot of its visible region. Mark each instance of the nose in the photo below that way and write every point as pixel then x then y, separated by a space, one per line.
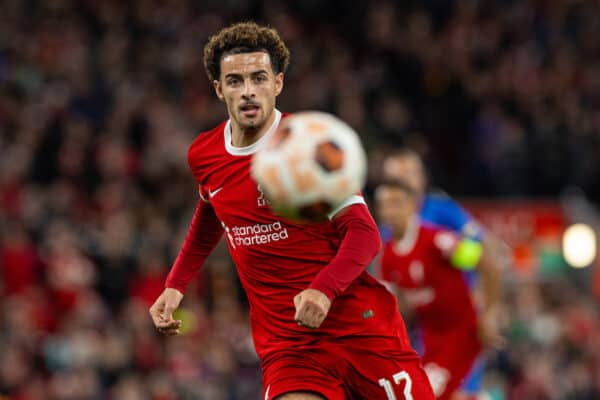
pixel 248 92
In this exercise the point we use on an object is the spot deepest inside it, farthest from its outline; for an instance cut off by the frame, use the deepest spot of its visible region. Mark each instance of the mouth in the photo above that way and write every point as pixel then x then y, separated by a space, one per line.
pixel 250 110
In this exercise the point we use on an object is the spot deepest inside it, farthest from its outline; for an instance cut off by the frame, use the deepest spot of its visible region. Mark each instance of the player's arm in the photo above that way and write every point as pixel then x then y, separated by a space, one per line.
pixel 360 243
pixel 490 288
pixel 488 267
pixel 202 237
pixel 468 254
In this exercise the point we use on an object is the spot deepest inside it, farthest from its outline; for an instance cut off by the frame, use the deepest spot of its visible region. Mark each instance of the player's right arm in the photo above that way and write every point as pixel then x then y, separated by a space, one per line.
pixel 202 237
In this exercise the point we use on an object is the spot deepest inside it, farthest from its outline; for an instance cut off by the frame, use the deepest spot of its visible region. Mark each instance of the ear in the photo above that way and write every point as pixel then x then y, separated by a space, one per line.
pixel 218 90
pixel 278 83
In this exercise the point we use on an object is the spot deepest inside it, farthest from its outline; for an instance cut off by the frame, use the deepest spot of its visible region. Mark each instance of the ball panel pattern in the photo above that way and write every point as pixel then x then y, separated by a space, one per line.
pixel 312 163
pixel 329 156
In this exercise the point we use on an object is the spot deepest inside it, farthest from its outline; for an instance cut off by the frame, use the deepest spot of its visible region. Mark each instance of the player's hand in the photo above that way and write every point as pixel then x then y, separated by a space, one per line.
pixel 312 307
pixel 162 312
pixel 489 330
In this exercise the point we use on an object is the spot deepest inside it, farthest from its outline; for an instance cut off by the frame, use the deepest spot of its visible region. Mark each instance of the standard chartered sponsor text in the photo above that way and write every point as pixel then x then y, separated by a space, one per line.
pixel 250 235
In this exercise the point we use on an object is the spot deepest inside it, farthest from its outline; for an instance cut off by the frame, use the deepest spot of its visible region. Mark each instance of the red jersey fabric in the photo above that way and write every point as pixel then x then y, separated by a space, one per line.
pixel 419 264
pixel 277 258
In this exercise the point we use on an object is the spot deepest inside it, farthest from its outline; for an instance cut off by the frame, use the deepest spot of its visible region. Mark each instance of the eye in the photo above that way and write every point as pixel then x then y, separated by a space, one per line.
pixel 260 78
pixel 233 81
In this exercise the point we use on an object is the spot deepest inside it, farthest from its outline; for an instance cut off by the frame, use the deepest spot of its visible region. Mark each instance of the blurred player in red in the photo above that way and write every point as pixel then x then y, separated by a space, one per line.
pixel 426 263
pixel 436 207
pixel 322 326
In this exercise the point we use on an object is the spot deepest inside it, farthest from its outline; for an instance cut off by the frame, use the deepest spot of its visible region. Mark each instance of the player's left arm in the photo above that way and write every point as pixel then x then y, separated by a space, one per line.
pixel 468 254
pixel 490 289
pixel 359 245
pixel 488 267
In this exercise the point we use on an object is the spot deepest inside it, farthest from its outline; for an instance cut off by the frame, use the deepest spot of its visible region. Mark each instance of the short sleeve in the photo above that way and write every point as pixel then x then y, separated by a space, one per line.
pixel 461 252
pixel 445 242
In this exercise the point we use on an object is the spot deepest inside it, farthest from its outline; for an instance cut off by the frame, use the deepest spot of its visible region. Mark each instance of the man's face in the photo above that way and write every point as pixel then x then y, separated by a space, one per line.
pixel 248 87
pixel 395 207
pixel 406 168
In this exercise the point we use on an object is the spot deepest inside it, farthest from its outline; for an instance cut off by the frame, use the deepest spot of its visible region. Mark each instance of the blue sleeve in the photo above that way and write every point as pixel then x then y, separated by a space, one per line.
pixel 445 212
pixel 385 232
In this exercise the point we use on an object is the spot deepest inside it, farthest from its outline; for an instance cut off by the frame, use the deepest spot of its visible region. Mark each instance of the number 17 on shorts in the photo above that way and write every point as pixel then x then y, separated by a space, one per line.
pixel 400 379
pixel 409 382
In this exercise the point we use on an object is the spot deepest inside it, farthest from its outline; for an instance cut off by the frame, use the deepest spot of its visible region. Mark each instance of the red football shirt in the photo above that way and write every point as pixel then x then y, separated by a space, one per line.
pixel 437 291
pixel 276 258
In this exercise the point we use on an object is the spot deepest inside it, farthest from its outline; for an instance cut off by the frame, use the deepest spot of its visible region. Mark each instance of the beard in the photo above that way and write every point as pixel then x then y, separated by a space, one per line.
pixel 254 123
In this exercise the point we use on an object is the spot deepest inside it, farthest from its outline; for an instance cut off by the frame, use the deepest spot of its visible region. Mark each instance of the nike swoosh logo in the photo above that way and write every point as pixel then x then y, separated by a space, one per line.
pixel 212 194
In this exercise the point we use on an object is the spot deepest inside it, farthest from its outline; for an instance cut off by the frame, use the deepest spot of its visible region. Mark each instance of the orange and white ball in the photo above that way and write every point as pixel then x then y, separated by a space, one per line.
pixel 312 163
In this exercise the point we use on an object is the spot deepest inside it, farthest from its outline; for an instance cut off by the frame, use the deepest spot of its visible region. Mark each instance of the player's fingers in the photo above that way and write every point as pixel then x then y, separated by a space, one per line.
pixel 306 324
pixel 310 309
pixel 297 300
pixel 311 323
pixel 304 313
pixel 169 328
pixel 302 316
pixel 173 324
pixel 171 332
pixel 320 317
pixel 300 305
pixel 299 313
pixel 319 310
pixel 154 317
pixel 312 316
pixel 155 314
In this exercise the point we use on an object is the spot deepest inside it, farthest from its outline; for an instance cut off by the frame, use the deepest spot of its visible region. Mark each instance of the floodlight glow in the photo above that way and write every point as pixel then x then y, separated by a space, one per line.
pixel 579 245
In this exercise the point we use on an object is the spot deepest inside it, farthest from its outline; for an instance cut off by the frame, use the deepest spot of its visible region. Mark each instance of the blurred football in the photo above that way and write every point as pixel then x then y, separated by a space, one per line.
pixel 311 164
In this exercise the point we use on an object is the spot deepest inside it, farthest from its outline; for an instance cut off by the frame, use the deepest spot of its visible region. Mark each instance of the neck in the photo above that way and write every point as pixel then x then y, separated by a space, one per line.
pixel 406 242
pixel 399 232
pixel 242 137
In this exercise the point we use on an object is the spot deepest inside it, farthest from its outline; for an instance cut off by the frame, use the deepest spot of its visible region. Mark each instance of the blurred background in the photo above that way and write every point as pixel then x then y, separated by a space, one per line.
pixel 99 101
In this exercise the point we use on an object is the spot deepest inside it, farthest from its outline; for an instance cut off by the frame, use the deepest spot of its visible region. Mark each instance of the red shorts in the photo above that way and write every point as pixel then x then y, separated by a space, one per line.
pixel 449 358
pixel 348 369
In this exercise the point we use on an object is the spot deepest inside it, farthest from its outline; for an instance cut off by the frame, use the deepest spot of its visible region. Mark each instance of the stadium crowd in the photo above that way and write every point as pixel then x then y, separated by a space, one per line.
pixel 99 101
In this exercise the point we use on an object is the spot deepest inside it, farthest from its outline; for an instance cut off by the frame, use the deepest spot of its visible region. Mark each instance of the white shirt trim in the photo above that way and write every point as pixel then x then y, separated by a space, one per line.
pixel 200 194
pixel 407 243
pixel 355 199
pixel 253 148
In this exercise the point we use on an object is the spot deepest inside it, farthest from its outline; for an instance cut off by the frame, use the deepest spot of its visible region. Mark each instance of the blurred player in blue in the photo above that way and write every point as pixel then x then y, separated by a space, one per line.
pixel 439 209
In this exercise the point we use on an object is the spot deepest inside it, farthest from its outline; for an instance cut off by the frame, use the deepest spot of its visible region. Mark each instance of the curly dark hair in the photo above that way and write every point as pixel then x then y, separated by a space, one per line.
pixel 244 37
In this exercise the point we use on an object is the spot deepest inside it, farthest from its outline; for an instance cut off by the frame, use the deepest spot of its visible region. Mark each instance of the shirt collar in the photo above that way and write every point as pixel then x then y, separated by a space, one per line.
pixel 407 243
pixel 253 148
